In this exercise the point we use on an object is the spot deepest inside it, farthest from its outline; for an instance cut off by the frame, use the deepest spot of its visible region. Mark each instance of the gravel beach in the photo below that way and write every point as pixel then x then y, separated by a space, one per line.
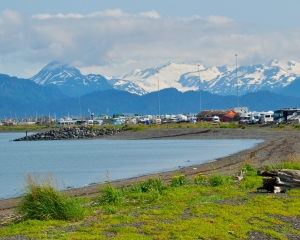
pixel 278 145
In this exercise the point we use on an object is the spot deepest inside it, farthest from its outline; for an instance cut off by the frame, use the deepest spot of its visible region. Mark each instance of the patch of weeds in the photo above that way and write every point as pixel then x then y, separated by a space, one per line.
pixel 110 210
pixel 250 182
pixel 137 128
pixel 297 126
pixel 294 192
pixel 219 180
pixel 249 170
pixel 111 195
pixel 42 201
pixel 200 178
pixel 178 180
pixel 292 162
pixel 146 186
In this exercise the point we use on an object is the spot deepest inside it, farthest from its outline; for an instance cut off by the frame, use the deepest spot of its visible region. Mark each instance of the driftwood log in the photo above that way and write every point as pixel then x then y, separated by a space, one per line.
pixel 279 181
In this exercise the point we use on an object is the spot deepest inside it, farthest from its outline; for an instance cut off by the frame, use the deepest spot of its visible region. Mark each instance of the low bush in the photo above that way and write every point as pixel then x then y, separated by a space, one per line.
pixel 249 170
pixel 178 180
pixel 111 195
pixel 42 201
pixel 250 182
pixel 200 178
pixel 146 186
pixel 219 180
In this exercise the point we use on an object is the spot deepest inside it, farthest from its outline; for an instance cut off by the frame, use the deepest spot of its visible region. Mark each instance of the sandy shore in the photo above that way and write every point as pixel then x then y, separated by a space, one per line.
pixel 278 145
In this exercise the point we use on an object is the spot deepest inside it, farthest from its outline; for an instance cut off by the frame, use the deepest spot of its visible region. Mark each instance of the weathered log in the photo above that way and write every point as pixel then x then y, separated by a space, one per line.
pixel 280 180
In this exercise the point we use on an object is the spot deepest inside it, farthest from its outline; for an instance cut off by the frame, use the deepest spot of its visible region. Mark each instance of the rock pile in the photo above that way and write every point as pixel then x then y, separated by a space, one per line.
pixel 71 133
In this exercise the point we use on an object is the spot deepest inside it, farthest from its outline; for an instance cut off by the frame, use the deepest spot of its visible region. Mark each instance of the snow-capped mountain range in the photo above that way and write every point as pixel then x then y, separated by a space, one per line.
pixel 70 80
pixel 222 80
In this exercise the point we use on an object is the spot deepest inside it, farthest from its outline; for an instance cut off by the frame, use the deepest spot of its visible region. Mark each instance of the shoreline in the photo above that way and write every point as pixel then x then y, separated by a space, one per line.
pixel 275 148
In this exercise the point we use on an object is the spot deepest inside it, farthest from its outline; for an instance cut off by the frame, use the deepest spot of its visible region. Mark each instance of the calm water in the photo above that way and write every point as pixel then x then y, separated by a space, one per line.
pixel 82 162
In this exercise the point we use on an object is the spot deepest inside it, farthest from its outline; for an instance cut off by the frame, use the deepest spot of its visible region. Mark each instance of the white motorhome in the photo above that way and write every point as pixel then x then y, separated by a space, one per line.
pixel 256 117
pixel 215 119
pixel 245 118
pixel 181 118
pixel 267 117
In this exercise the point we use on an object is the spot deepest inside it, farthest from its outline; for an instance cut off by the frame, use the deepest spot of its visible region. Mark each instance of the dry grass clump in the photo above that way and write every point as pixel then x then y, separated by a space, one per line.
pixel 42 201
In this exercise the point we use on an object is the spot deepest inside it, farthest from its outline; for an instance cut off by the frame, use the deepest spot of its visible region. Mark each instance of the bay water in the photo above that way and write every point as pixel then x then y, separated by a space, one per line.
pixel 80 163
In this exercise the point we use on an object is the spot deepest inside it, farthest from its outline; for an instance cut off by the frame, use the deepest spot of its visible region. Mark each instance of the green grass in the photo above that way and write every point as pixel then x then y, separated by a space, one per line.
pixel 204 207
pixel 292 162
pixel 31 127
pixel 42 201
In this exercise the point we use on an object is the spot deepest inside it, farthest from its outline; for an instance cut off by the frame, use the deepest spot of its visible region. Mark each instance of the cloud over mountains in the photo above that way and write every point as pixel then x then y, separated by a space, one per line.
pixel 113 42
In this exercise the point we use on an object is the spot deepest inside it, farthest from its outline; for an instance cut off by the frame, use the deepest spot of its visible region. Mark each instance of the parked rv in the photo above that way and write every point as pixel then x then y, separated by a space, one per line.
pixel 283 115
pixel 181 118
pixel 256 117
pixel 267 117
pixel 245 118
pixel 215 119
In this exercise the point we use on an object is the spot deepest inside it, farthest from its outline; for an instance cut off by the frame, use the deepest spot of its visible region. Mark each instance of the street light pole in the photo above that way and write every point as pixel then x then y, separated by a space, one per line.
pixel 158 95
pixel 237 81
pixel 199 87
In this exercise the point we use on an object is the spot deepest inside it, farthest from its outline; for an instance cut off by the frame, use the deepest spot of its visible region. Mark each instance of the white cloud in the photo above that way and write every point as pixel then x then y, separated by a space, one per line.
pixel 150 14
pixel 11 17
pixel 116 42
pixel 62 16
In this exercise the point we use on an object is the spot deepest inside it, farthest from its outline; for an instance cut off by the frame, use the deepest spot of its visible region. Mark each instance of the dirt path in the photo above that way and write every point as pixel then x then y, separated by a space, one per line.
pixel 278 145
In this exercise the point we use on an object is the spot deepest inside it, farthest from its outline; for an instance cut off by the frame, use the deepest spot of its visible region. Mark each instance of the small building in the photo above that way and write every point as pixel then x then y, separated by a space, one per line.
pixel 231 116
pixel 224 115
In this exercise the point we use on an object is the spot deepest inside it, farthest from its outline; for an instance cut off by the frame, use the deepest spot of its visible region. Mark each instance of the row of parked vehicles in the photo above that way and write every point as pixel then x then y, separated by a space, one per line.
pixel 256 117
pixel 283 115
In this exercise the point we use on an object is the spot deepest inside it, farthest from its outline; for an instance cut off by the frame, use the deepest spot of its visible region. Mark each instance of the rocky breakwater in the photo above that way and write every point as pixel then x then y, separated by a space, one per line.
pixel 71 133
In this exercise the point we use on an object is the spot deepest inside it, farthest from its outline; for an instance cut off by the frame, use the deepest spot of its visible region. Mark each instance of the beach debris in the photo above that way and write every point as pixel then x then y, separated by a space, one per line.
pixel 279 181
pixel 240 175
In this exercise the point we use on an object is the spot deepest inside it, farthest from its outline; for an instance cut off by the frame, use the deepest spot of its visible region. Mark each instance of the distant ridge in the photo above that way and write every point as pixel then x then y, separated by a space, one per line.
pixel 274 76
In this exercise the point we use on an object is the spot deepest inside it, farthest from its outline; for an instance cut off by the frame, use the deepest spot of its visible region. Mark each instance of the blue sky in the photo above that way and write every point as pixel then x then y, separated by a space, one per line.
pixel 113 37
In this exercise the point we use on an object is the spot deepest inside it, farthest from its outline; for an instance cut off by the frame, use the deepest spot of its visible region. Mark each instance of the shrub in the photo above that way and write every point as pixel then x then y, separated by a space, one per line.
pixel 42 201
pixel 218 180
pixel 146 186
pixel 178 180
pixel 111 195
pixel 200 178
pixel 249 170
pixel 250 182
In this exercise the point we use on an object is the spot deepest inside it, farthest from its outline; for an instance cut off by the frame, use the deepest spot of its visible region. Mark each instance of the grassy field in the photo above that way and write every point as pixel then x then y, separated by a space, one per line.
pixel 140 127
pixel 206 207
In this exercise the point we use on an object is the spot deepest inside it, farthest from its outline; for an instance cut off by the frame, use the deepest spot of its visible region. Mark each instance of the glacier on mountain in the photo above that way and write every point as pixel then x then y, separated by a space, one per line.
pixel 222 80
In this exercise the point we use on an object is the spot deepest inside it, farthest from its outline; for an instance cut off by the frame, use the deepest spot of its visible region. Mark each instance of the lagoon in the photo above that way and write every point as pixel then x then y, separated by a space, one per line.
pixel 79 163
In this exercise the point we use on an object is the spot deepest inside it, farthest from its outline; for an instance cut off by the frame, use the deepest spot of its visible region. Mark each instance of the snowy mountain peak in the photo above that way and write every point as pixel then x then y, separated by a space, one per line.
pixel 69 79
pixel 222 80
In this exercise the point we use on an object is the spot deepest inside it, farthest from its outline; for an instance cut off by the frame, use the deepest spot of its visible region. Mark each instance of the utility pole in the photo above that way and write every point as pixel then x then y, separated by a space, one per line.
pixel 237 81
pixel 158 95
pixel 199 88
